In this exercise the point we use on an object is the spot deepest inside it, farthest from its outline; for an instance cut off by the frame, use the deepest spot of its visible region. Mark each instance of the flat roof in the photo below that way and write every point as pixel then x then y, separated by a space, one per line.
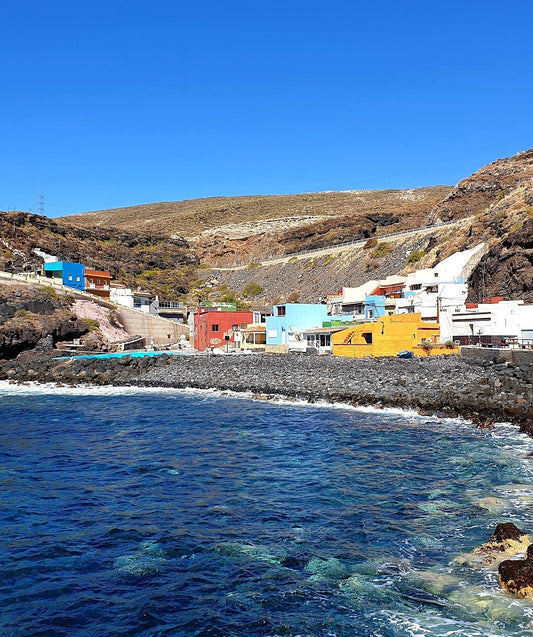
pixel 326 330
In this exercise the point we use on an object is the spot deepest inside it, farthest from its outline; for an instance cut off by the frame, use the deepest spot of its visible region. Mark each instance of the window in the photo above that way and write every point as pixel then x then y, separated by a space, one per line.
pixel 70 277
pixel 281 310
pixel 78 279
pixel 416 286
pixel 214 328
pixel 368 337
pixel 370 313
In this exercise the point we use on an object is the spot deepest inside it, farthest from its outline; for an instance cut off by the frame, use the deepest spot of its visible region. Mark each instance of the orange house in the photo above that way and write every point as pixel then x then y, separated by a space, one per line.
pixel 98 282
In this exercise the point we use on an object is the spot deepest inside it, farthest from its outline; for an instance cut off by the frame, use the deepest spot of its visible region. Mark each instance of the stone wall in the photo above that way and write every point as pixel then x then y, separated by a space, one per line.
pixel 276 349
pixel 153 329
pixel 498 355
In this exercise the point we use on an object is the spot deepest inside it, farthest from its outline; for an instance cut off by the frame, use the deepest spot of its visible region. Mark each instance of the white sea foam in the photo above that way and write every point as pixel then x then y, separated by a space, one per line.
pixel 35 388
pixel 501 430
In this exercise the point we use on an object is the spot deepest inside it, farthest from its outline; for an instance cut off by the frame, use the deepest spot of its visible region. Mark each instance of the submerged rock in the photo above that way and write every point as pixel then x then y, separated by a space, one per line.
pixel 330 568
pixel 492 504
pixel 148 559
pixel 272 555
pixel 516 576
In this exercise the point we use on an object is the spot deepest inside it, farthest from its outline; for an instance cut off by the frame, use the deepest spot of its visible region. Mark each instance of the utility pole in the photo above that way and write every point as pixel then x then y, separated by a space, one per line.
pixel 40 207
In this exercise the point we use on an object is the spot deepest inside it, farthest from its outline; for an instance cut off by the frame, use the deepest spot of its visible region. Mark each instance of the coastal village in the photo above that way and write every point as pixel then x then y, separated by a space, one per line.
pixel 423 313
pixel 266 319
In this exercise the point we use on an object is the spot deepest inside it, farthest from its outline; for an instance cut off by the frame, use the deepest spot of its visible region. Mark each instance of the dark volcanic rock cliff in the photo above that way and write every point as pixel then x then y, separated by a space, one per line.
pixel 32 316
pixel 478 192
pixel 507 269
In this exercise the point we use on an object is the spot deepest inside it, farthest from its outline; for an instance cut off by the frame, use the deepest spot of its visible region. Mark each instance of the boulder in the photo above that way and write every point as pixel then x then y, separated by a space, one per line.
pixel 507 540
pixel 516 576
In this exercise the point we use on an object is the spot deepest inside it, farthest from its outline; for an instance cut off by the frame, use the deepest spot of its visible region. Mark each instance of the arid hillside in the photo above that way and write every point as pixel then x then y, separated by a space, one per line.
pixel 493 206
pixel 232 240
pixel 486 187
pixel 190 218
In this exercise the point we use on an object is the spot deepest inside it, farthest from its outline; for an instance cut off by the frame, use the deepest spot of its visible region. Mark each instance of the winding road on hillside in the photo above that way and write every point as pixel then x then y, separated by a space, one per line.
pixel 344 246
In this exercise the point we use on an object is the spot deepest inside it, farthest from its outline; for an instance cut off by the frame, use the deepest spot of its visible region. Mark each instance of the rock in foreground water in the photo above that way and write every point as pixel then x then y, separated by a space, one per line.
pixel 516 576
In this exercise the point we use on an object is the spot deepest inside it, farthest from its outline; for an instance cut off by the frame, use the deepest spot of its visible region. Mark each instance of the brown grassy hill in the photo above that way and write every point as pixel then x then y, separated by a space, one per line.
pixel 189 218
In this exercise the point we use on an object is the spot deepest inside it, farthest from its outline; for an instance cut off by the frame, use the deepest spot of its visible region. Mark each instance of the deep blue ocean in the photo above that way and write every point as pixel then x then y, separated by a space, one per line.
pixel 144 512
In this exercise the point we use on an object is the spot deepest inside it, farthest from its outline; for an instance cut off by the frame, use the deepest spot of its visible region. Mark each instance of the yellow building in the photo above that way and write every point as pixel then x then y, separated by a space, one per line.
pixel 388 336
pixel 254 337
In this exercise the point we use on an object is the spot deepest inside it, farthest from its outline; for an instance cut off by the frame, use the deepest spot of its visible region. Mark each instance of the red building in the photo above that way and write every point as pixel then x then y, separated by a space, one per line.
pixel 98 282
pixel 216 328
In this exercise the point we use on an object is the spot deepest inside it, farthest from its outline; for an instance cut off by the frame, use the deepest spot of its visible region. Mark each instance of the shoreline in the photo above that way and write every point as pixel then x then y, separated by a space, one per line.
pixel 483 392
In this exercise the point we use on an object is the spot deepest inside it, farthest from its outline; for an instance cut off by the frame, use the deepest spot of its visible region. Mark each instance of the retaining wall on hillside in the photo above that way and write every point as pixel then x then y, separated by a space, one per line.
pixel 153 329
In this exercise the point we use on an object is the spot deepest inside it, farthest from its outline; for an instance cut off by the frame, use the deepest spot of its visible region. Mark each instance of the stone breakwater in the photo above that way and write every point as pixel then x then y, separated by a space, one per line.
pixel 482 391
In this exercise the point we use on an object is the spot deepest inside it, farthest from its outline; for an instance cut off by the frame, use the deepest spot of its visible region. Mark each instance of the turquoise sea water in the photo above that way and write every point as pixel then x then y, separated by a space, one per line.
pixel 138 512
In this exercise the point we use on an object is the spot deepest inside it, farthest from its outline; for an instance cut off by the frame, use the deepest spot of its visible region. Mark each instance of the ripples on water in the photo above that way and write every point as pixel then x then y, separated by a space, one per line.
pixel 167 513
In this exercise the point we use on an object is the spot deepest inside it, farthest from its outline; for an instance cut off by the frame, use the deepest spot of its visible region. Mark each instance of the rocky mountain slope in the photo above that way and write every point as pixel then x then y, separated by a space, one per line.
pixel 489 185
pixel 165 265
pixel 504 191
pixel 144 245
pixel 307 279
pixel 494 206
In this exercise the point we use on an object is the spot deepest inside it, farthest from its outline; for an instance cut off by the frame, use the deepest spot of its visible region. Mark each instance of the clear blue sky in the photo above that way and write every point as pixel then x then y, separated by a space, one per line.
pixel 120 102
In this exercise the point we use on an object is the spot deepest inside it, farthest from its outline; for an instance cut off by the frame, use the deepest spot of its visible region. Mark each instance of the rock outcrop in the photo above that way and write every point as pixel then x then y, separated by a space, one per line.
pixel 478 192
pixel 35 317
pixel 507 269
pixel 516 576
pixel 507 540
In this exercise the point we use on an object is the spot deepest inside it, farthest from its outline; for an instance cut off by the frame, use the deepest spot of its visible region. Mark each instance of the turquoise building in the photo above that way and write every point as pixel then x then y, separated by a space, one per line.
pixel 289 319
pixel 69 274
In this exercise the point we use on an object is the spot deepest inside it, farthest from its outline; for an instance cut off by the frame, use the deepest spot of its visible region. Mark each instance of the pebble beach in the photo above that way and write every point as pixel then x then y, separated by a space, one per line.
pixel 485 392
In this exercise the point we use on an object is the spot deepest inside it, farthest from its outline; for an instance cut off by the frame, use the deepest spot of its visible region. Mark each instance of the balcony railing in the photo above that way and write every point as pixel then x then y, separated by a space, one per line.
pixel 171 305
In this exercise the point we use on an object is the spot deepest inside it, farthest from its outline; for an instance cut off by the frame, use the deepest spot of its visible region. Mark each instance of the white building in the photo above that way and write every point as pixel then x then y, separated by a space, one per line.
pixel 437 292
pixel 350 302
pixel 496 323
pixel 143 301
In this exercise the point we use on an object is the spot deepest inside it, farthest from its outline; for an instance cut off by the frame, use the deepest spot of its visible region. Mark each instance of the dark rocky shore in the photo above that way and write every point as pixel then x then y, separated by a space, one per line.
pixel 485 392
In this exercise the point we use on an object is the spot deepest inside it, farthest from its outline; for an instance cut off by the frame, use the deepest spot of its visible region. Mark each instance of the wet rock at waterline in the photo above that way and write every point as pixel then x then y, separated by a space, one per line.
pixel 516 576
pixel 507 540
pixel 448 387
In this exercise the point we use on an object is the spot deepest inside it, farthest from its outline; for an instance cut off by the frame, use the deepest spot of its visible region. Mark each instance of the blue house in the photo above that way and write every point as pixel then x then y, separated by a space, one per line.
pixel 69 274
pixel 290 319
pixel 374 306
